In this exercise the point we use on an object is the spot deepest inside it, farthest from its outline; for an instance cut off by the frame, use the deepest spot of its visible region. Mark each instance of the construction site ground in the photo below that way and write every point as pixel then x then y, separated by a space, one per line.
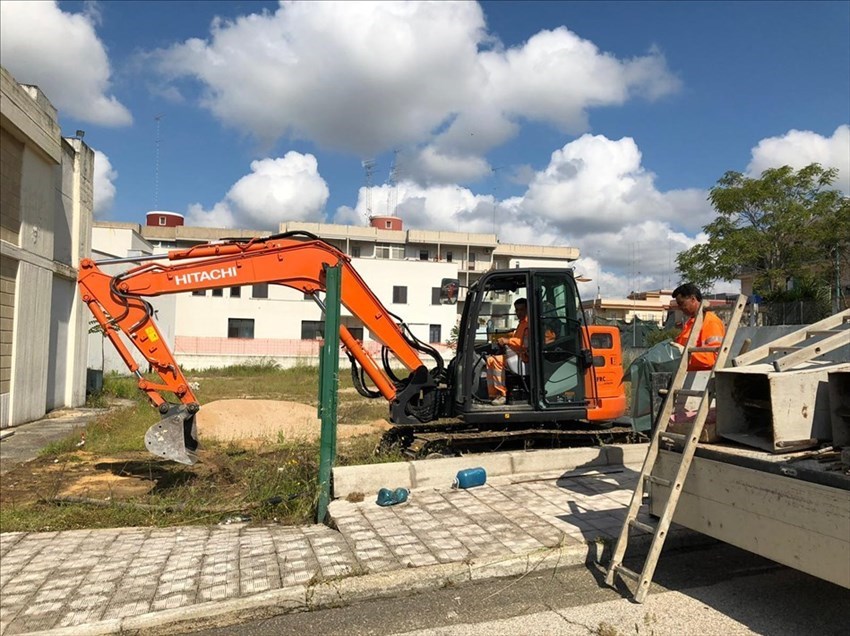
pixel 167 580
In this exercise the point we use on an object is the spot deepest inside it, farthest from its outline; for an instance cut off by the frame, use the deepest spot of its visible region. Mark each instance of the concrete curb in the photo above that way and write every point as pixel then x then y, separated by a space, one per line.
pixel 352 589
pixel 439 473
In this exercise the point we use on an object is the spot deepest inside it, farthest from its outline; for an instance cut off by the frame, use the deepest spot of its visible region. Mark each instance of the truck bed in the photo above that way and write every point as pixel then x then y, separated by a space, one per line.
pixel 791 508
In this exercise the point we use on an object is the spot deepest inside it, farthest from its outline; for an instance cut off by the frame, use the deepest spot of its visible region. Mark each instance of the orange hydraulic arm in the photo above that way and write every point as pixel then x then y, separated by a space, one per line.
pixel 117 303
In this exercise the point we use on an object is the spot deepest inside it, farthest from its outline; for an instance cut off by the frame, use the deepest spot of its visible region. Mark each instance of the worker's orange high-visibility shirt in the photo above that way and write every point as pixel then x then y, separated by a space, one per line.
pixel 517 340
pixel 711 335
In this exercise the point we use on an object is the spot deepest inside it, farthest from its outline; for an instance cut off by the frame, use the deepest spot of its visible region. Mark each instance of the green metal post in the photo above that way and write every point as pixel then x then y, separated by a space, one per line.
pixel 328 385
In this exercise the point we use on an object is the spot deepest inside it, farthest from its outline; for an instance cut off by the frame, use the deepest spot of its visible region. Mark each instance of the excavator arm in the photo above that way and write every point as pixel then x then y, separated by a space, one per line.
pixel 119 306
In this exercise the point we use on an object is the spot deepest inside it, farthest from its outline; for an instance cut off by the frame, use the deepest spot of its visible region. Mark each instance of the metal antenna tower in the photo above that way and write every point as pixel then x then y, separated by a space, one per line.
pixel 369 167
pixel 392 192
pixel 157 118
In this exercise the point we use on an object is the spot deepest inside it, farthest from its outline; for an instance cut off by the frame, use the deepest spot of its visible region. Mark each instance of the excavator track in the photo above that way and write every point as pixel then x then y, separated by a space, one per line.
pixel 430 440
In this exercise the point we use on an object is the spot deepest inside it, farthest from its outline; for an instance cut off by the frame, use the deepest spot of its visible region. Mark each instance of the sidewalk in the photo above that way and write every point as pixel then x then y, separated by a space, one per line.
pixel 143 580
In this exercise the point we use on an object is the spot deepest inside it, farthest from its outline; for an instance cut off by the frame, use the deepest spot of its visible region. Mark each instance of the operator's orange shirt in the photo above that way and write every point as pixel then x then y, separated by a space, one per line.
pixel 518 343
pixel 517 340
pixel 711 335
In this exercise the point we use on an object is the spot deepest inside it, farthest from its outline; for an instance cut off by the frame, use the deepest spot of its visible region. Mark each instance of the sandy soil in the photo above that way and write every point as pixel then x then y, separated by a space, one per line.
pixel 230 420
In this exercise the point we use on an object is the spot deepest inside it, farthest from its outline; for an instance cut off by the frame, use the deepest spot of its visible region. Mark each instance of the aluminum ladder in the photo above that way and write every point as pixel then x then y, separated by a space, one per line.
pixel 802 345
pixel 659 528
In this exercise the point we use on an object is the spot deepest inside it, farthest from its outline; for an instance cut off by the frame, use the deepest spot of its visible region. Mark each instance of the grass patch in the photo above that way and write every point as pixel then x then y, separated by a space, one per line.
pixel 112 481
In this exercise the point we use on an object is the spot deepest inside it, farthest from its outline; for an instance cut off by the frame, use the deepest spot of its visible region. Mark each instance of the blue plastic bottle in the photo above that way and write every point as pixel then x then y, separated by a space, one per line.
pixel 470 478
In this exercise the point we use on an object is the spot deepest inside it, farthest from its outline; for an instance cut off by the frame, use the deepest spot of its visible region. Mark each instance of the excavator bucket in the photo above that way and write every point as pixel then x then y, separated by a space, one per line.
pixel 174 437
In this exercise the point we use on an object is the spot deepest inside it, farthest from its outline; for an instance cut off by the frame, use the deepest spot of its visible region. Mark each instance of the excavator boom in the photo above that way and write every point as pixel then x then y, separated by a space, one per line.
pixel 297 260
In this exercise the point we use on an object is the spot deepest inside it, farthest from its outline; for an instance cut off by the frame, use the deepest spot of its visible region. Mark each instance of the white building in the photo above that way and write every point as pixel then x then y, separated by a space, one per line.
pixel 227 326
pixel 46 202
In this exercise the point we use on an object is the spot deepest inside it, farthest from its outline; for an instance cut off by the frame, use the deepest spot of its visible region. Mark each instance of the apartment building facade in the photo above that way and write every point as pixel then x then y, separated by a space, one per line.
pixel 403 268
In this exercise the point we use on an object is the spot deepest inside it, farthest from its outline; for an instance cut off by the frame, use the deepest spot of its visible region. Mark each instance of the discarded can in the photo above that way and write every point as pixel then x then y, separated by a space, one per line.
pixel 387 497
pixel 470 478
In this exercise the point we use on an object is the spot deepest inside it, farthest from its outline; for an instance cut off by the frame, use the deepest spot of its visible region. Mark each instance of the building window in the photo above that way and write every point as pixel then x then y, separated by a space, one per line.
pixel 357 333
pixel 388 225
pixel 471 264
pixel 423 255
pixel 235 292
pixel 400 295
pixel 434 333
pixel 448 257
pixel 199 292
pixel 389 251
pixel 260 290
pixel 240 327
pixel 312 329
pixel 435 295
pixel 162 220
pixel 219 293
pixel 355 251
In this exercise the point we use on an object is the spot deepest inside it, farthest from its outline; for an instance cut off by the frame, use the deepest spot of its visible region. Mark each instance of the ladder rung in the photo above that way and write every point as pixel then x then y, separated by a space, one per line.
pixel 674 437
pixel 659 480
pixel 704 349
pixel 773 350
pixel 822 332
pixel 622 569
pixel 640 525
pixel 690 392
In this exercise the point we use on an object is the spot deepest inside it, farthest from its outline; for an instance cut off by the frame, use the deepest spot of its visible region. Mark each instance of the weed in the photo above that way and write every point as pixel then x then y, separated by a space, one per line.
pixel 97 400
pixel 276 482
pixel 251 367
pixel 606 629
pixel 360 411
pixel 362 450
pixel 65 445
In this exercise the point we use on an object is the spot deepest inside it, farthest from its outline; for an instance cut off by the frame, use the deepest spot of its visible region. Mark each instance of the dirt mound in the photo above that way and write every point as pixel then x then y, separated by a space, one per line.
pixel 230 420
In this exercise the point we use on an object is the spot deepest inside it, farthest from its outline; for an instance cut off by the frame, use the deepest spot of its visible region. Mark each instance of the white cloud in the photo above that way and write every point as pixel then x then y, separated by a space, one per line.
pixel 366 77
pixel 61 53
pixel 594 183
pixel 104 184
pixel 799 148
pixel 287 188
pixel 429 165
pixel 594 194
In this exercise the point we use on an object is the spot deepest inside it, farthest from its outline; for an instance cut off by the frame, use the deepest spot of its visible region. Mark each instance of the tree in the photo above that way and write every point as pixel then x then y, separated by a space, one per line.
pixel 785 225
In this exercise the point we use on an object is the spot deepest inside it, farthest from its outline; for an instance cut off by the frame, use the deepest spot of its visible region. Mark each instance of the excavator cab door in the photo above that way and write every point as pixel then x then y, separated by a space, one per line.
pixel 552 376
pixel 563 358
pixel 489 315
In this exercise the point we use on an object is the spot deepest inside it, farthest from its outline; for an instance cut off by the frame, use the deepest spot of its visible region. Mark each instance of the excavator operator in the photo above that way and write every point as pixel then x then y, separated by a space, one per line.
pixel 518 342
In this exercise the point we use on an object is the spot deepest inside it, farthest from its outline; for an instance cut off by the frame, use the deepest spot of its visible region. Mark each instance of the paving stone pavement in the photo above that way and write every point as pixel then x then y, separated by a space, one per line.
pixel 89 581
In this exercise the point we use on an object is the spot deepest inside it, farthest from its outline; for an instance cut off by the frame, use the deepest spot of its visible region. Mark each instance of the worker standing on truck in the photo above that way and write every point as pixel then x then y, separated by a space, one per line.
pixel 518 342
pixel 689 299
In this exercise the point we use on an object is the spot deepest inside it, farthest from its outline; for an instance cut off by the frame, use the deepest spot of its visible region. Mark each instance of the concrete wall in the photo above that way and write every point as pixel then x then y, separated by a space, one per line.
pixel 47 182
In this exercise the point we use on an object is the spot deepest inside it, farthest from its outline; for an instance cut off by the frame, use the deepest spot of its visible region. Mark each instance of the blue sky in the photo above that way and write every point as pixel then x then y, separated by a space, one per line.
pixel 593 124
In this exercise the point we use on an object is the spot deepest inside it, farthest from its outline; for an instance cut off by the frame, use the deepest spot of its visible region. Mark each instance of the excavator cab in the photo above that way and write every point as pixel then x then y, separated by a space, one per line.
pixel 556 380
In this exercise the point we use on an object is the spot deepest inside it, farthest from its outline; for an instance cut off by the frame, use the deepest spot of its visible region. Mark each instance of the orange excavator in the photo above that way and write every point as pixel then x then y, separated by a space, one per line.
pixel 572 373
